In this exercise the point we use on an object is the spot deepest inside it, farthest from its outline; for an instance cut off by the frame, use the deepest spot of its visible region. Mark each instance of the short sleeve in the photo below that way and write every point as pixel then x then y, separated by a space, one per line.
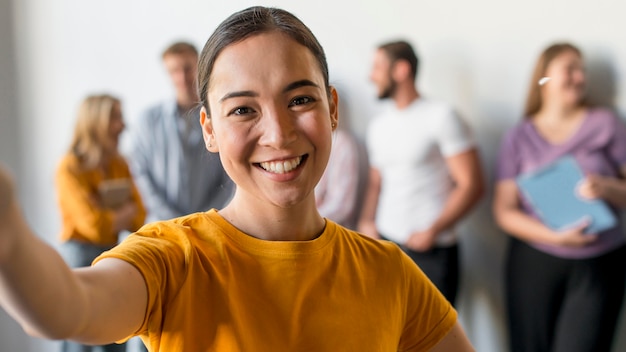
pixel 455 135
pixel 507 166
pixel 159 252
pixel 429 316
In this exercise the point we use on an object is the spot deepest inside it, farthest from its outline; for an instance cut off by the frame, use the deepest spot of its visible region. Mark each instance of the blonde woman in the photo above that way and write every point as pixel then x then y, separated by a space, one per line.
pixel 96 194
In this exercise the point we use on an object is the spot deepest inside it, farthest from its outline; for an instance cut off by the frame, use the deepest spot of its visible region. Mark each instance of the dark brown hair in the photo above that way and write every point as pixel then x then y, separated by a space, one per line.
pixel 249 22
pixel 401 50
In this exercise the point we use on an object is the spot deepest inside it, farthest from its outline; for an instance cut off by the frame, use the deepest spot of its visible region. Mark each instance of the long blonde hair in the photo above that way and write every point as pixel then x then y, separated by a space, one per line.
pixel 533 99
pixel 92 129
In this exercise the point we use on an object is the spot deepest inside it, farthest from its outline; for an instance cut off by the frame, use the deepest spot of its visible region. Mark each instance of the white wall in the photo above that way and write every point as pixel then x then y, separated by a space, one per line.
pixel 475 54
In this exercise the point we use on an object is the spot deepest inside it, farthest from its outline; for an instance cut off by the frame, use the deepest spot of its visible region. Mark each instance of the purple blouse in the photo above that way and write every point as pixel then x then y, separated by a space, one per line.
pixel 599 146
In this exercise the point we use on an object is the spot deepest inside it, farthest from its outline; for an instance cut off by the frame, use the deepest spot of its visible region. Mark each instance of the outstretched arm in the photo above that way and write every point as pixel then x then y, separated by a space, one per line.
pixel 455 340
pixel 96 305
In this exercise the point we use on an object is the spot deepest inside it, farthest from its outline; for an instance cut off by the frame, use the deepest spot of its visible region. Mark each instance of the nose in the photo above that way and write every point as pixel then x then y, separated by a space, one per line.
pixel 278 128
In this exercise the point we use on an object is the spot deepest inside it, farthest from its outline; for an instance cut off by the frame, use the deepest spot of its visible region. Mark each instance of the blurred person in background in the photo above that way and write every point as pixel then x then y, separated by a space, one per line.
pixel 564 289
pixel 425 173
pixel 96 194
pixel 173 170
pixel 339 193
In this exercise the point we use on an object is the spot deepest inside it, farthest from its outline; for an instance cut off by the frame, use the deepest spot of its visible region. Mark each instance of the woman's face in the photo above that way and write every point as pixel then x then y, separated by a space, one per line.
pixel 116 126
pixel 567 78
pixel 270 119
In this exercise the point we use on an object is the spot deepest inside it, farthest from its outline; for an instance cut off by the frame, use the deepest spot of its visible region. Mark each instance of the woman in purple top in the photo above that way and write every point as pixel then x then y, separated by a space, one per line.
pixel 564 289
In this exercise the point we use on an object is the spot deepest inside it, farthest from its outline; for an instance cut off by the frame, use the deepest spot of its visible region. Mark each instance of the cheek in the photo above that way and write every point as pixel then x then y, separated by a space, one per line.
pixel 319 131
pixel 234 144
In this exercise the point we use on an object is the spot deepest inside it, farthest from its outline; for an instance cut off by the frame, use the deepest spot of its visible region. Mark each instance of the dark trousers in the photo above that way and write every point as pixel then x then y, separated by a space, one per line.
pixel 441 266
pixel 563 305
pixel 69 346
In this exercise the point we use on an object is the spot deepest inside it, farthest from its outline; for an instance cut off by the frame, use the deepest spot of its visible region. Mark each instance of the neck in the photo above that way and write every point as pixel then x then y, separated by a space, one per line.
pixel 298 223
pixel 186 103
pixel 405 95
pixel 558 112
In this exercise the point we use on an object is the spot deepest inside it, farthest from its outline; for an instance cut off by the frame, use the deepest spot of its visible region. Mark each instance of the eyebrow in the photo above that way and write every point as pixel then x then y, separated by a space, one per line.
pixel 289 87
pixel 298 84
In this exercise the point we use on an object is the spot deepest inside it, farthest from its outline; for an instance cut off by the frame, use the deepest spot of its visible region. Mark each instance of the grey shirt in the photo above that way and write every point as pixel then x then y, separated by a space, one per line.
pixel 173 170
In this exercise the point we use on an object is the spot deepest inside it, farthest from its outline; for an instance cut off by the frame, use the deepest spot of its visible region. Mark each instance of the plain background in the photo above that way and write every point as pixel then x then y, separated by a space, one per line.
pixel 476 55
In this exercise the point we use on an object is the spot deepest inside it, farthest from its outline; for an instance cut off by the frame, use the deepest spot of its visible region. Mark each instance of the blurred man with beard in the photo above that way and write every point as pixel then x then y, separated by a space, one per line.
pixel 425 173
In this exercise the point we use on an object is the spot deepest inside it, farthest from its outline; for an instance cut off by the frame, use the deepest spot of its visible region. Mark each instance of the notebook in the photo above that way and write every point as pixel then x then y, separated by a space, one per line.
pixel 115 192
pixel 552 192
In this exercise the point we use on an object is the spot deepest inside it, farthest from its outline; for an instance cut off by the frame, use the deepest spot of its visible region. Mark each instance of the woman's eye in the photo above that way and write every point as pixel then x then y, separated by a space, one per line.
pixel 241 111
pixel 301 100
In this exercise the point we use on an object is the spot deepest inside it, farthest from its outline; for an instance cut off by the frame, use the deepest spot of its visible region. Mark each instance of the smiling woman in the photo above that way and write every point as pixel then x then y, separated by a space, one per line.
pixel 267 272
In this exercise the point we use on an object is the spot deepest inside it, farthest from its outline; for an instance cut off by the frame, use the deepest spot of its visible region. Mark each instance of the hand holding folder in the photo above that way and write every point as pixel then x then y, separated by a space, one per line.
pixel 115 193
pixel 552 191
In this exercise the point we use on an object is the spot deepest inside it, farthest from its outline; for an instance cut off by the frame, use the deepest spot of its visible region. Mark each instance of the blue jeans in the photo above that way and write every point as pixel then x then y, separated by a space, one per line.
pixel 79 254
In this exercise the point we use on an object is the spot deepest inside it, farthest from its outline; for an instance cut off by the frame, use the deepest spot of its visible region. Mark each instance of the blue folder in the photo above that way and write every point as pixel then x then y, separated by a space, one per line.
pixel 551 191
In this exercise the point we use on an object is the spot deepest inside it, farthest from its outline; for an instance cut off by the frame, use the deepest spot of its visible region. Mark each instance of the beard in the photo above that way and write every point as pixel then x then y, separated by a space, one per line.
pixel 388 90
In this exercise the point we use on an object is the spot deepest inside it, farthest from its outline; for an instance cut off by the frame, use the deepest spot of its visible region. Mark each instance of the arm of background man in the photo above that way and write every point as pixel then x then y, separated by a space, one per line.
pixel 466 173
pixel 455 340
pixel 469 187
pixel 92 305
pixel 367 224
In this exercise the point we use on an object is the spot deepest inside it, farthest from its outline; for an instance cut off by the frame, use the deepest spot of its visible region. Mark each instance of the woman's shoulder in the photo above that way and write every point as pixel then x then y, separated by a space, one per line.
pixel 371 246
pixel 517 132
pixel 70 164
pixel 603 115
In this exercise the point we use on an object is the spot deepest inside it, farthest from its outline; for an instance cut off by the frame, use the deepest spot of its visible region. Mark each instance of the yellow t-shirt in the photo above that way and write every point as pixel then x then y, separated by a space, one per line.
pixel 211 287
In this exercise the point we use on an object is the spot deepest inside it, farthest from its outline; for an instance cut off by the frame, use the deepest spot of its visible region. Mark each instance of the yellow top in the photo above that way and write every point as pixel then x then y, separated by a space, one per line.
pixel 83 215
pixel 214 288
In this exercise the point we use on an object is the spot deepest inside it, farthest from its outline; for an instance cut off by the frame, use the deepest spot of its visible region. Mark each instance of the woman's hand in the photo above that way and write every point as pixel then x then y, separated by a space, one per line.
pixel 594 186
pixel 124 216
pixel 575 237
pixel 610 189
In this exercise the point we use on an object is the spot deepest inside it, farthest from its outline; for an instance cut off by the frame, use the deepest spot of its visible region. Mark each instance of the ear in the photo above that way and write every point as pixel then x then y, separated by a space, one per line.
pixel 401 70
pixel 333 105
pixel 207 131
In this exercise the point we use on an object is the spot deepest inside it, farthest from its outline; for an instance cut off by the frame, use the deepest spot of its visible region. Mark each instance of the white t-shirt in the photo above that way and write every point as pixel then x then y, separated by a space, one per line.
pixel 409 147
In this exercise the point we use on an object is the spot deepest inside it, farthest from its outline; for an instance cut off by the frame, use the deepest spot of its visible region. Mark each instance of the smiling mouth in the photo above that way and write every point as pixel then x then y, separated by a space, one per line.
pixel 282 166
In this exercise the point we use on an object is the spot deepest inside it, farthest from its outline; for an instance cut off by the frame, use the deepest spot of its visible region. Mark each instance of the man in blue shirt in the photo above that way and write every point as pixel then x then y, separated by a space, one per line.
pixel 174 172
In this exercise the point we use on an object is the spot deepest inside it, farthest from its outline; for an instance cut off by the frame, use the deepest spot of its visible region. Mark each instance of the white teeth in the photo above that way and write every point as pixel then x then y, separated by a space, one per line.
pixel 281 167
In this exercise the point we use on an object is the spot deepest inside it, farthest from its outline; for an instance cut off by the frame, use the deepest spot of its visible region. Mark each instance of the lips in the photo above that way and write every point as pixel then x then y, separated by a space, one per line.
pixel 281 166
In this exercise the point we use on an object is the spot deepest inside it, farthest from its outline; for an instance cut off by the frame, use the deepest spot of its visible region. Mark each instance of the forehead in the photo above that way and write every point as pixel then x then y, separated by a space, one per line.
pixel 180 58
pixel 565 58
pixel 381 57
pixel 264 59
